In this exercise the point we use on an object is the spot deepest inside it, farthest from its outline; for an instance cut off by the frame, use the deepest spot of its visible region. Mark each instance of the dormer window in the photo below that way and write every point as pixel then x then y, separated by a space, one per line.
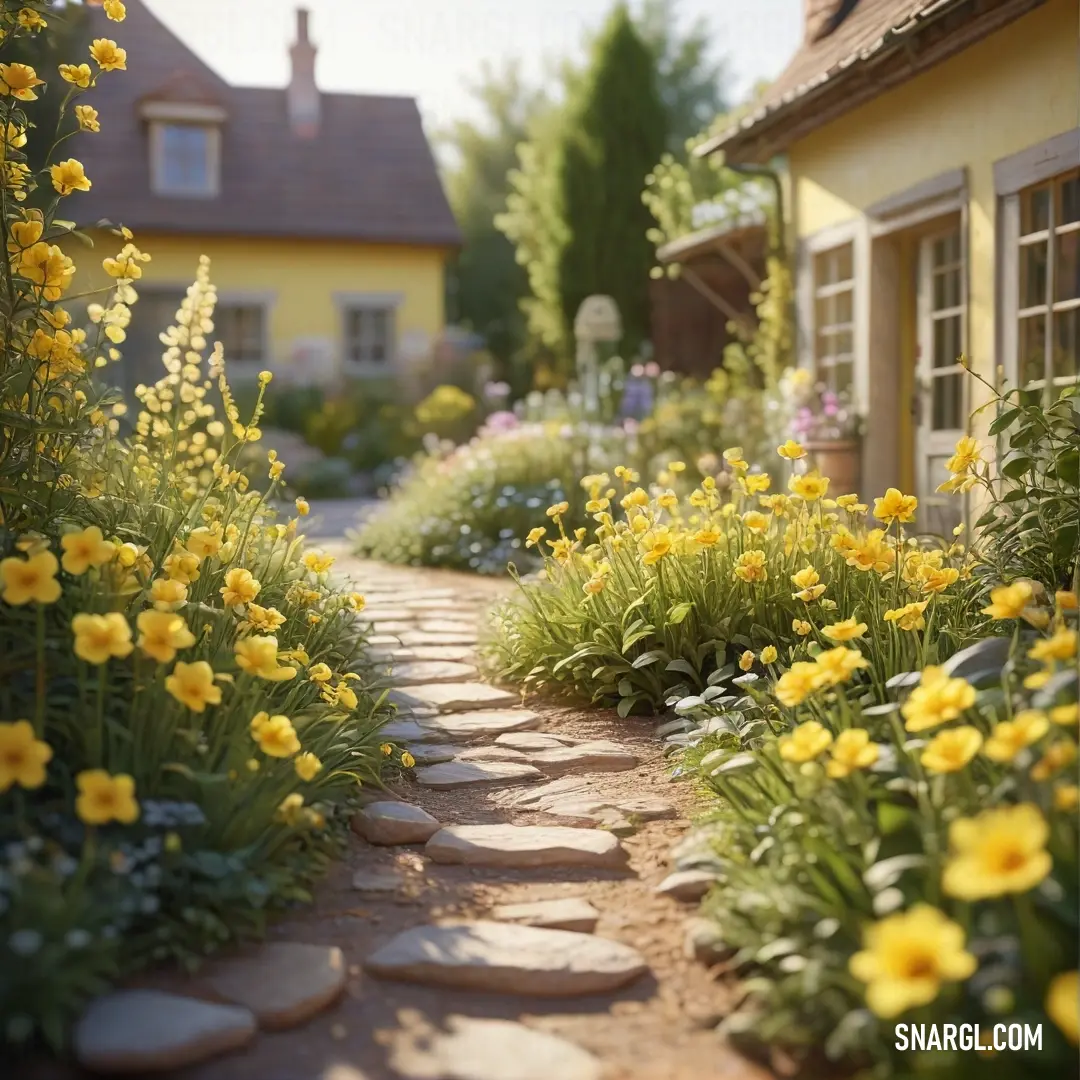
pixel 185 147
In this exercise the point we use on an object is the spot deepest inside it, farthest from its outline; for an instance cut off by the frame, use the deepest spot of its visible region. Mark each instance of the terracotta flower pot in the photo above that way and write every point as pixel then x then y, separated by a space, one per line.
pixel 839 460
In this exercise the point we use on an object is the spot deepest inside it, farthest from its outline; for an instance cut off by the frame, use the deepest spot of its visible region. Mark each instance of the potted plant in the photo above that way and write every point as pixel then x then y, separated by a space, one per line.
pixel 826 423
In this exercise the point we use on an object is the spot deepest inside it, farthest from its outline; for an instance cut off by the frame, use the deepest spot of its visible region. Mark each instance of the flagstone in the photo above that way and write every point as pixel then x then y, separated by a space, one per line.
pixel 433 753
pixel 143 1031
pixel 390 823
pixel 429 637
pixel 507 958
pixel 426 672
pixel 454 774
pixel 526 846
pixel 536 740
pixel 409 732
pixel 283 983
pixel 377 881
pixel 447 626
pixel 578 797
pixel 482 723
pixel 482 1049
pixel 564 913
pixel 686 885
pixel 457 653
pixel 455 697
pixel 597 756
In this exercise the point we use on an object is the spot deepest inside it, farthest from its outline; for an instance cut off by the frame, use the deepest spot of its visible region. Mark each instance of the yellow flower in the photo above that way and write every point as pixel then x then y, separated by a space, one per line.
pixel 1066 797
pixel 801 627
pixel 967 454
pixel 707 536
pixel 87 116
pixel 809 487
pixel 407 760
pixel 167 594
pixel 847 630
pixel 161 633
pixel 18 81
pixel 950 750
pixel 259 656
pixel 805 578
pixel 936 699
pixel 852 750
pixel 344 696
pixel 746 660
pixel 68 176
pixel 320 673
pixel 909 617
pixel 935 579
pixel 755 521
pixel 303 507
pixel 1061 646
pixel 115 10
pixel 182 566
pixel 318 562
pixel 239 588
pixel 1009 601
pixel 594 585
pixel 307 766
pixel 1066 600
pixel 895 506
pixel 837 665
pixel 32 20
pixel 193 685
pixel 204 542
pixel 103 798
pixel 668 500
pixel 1062 998
pixel 535 536
pixel 276 469
pixel 1065 715
pixel 23 757
pixel 750 566
pixel 791 450
pixel 797 683
pixel 755 483
pixel 906 957
pixel 85 549
pixel 805 743
pixel 264 619
pixel 386 749
pixel 275 735
pixel 561 508
pixel 77 74
pixel 768 654
pixel 99 637
pixel 851 504
pixel 290 807
pixel 1009 737
pixel 656 545
pixel 1000 851
pixel 108 55
pixel 1058 757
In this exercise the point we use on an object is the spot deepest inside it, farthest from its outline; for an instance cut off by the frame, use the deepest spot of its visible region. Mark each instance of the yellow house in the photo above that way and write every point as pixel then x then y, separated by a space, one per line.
pixel 933 194
pixel 323 214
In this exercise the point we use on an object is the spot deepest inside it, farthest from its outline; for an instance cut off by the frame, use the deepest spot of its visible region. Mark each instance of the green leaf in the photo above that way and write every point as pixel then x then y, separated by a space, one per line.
pixel 684 666
pixel 645 659
pixel 1004 420
pixel 1016 467
pixel 679 612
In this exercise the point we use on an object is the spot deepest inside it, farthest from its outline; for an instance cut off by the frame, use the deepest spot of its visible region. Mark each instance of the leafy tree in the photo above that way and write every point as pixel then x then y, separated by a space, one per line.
pixel 487 280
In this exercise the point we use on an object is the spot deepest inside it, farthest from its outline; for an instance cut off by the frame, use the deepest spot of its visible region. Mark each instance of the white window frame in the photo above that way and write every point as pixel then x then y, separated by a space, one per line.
pixel 264 302
pixel 349 304
pixel 1015 176
pixel 158 182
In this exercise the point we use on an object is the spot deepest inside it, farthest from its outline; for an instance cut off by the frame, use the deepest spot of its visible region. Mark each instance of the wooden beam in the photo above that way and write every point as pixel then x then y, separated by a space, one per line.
pixel 717 300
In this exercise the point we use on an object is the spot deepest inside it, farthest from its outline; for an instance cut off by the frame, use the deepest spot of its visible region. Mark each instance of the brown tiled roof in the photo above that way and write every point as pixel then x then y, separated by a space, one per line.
pixel 369 174
pixel 873 29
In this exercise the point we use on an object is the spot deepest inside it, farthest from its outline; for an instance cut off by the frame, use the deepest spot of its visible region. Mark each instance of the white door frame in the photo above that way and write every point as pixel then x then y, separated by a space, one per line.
pixel 931 444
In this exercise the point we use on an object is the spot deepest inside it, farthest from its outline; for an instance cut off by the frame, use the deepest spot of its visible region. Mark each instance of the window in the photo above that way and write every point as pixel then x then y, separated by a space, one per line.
pixel 369 336
pixel 185 159
pixel 834 316
pixel 1048 284
pixel 241 329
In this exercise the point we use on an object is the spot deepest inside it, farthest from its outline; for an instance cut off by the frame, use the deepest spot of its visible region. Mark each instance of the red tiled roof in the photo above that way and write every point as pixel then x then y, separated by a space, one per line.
pixel 368 174
pixel 873 28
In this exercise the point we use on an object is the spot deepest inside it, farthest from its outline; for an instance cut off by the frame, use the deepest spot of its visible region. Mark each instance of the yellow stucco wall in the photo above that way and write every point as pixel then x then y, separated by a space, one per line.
pixel 1016 88
pixel 302 277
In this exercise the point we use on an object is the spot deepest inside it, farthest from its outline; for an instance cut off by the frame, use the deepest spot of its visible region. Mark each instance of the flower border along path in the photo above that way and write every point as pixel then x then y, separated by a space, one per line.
pixel 500 916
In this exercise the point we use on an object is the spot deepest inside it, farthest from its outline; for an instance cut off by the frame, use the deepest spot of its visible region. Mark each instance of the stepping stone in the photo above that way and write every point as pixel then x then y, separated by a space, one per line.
pixel 508 959
pixel 391 823
pixel 447 626
pixel 376 881
pixel 703 942
pixel 424 672
pixel 564 914
pixel 526 846
pixel 446 602
pixel 383 640
pixel 457 653
pixel 397 627
pixel 585 757
pixel 435 753
pixel 409 732
pixel 283 983
pixel 425 637
pixel 687 885
pixel 474 1049
pixel 536 740
pixel 379 615
pixel 455 697
pixel 455 774
pixel 142 1031
pixel 477 725
pixel 577 797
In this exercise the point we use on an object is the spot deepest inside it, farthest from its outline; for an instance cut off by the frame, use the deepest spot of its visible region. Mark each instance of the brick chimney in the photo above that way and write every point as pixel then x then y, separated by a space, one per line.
pixel 302 93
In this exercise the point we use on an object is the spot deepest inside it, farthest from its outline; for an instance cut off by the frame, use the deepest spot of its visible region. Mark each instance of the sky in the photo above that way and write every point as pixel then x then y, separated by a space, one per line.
pixel 429 49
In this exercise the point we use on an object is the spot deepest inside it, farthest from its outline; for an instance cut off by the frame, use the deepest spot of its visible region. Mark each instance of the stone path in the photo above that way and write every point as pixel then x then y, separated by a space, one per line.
pixel 507 911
